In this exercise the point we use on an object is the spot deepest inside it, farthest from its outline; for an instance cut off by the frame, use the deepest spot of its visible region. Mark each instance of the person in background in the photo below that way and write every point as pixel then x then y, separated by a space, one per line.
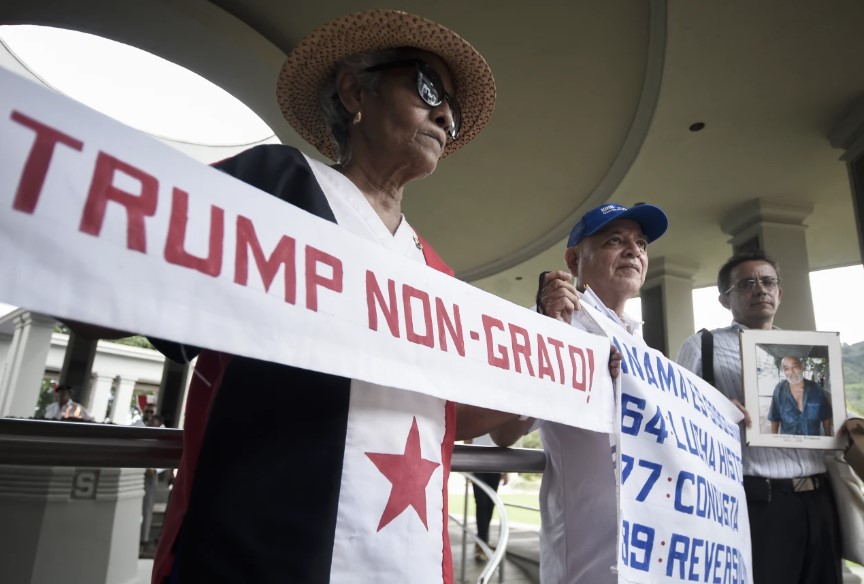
pixel 66 409
pixel 148 412
pixel 151 480
pixel 793 519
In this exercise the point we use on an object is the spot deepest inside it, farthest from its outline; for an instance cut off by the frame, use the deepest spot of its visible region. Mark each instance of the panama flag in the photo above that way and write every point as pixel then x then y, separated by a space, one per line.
pixel 366 487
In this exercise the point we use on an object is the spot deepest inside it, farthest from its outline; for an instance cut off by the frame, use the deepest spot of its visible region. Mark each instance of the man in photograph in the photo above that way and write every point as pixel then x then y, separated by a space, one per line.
pixel 799 406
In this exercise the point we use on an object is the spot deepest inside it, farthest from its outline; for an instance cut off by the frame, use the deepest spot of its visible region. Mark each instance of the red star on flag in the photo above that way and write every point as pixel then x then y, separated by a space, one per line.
pixel 408 474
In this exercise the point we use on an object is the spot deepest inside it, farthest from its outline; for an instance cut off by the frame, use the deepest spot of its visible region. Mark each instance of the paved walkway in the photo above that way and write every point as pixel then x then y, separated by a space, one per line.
pixel 522 541
pixel 517 569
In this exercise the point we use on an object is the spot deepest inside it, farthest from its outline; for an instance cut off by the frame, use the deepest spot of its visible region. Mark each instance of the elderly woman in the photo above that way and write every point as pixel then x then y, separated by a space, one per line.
pixel 291 475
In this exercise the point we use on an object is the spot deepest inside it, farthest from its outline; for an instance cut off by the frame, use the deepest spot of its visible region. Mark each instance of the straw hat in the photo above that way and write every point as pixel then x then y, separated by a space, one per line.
pixel 313 59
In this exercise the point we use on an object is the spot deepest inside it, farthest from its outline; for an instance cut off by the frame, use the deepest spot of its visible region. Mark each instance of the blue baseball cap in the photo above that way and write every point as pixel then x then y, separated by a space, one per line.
pixel 651 219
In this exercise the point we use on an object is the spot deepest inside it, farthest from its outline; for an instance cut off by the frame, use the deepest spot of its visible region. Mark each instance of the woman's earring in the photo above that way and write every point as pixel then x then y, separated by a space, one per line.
pixel 357 117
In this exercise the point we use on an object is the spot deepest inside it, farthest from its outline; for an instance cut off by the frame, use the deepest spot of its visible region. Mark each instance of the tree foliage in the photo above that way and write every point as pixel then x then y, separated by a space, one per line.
pixel 853 376
pixel 134 341
pixel 46 396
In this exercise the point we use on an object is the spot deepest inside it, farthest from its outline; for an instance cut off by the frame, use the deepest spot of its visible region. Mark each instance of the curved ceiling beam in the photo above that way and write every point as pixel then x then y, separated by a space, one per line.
pixel 199 36
pixel 619 167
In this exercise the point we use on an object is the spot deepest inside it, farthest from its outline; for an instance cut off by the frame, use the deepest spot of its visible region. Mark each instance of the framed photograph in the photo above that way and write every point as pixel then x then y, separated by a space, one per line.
pixel 793 388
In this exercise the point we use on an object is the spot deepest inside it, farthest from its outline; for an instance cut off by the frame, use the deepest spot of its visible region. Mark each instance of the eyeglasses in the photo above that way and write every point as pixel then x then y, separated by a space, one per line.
pixel 430 88
pixel 769 284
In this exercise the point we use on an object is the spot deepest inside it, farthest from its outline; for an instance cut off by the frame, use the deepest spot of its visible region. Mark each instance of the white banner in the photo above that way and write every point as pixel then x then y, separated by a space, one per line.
pixel 102 224
pixel 683 514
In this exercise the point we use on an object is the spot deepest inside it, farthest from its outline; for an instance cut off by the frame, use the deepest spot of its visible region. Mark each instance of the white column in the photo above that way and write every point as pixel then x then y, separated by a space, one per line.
pixel 70 524
pixel 848 134
pixel 777 227
pixel 99 396
pixel 122 400
pixel 667 303
pixel 24 367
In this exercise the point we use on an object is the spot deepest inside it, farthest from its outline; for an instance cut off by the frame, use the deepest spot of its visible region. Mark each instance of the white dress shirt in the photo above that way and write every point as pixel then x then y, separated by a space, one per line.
pixel 771 463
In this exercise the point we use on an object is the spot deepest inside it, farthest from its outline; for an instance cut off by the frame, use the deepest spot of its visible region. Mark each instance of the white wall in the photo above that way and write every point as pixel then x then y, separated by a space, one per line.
pixel 112 360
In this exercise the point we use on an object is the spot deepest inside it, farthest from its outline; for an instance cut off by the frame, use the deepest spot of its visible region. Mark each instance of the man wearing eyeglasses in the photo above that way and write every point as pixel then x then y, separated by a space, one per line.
pixel 793 524
pixel 151 478
pixel 146 414
pixel 64 408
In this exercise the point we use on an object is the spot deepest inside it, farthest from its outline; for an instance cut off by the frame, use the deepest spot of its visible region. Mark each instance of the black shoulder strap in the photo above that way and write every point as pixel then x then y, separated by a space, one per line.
pixel 707 355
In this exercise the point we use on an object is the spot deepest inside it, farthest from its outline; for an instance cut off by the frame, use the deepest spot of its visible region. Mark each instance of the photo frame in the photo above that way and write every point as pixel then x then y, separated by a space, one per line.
pixel 795 380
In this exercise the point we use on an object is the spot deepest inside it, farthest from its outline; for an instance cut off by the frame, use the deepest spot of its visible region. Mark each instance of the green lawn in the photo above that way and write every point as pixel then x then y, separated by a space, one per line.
pixel 515 515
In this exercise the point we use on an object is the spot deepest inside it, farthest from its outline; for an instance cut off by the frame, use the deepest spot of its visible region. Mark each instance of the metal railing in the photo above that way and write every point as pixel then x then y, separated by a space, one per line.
pixel 496 556
pixel 82 444
pixel 46 443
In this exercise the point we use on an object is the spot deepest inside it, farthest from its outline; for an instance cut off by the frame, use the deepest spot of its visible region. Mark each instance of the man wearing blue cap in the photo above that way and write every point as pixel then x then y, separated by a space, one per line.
pixel 607 252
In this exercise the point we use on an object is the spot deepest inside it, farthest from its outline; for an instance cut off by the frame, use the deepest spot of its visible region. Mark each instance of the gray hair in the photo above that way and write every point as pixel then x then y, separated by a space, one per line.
pixel 338 119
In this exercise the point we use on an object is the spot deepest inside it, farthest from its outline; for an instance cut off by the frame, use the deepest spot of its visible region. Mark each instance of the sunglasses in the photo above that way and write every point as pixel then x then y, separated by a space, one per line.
pixel 430 88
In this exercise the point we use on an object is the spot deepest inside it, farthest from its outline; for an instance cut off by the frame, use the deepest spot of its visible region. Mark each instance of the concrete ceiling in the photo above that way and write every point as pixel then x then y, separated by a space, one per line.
pixel 594 104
